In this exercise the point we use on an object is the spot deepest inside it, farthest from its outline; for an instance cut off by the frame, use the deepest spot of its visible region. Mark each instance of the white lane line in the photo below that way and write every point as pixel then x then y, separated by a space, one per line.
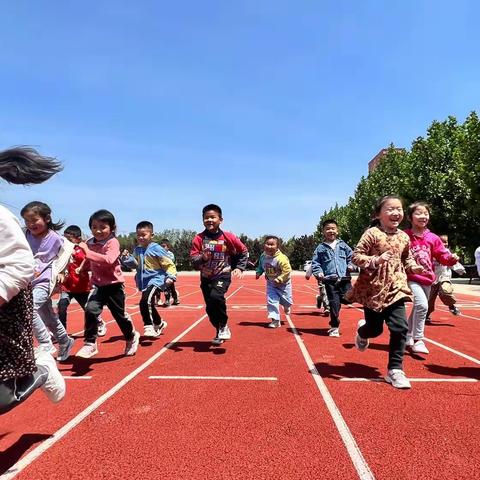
pixel 49 442
pixel 456 352
pixel 194 377
pixel 73 377
pixel 359 462
pixel 445 347
pixel 433 380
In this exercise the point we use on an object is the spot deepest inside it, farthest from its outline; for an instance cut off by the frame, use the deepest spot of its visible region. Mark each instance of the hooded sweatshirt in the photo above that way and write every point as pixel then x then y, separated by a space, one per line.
pixel 425 248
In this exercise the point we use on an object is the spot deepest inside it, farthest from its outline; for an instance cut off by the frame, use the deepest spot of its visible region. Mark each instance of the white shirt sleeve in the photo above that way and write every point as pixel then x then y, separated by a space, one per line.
pixel 16 258
pixel 477 259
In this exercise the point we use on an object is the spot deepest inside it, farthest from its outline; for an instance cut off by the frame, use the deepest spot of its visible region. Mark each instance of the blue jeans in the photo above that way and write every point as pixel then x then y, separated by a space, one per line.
pixel 45 319
pixel 416 320
pixel 276 295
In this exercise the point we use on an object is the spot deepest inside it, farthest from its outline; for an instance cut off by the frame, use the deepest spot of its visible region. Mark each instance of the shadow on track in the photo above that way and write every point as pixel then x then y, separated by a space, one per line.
pixel 12 454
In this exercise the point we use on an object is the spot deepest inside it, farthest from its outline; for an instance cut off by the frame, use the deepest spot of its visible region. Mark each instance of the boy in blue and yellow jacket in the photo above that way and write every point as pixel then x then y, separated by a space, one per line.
pixel 155 271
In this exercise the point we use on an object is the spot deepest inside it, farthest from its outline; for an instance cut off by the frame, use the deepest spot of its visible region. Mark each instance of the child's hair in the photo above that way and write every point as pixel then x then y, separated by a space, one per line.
pixel 271 237
pixel 375 222
pixel 329 221
pixel 144 224
pixel 212 206
pixel 411 208
pixel 103 216
pixel 23 165
pixel 44 211
pixel 165 241
pixel 74 231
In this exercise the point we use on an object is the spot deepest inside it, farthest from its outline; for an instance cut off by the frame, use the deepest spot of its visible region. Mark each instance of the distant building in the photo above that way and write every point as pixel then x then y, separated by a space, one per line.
pixel 373 163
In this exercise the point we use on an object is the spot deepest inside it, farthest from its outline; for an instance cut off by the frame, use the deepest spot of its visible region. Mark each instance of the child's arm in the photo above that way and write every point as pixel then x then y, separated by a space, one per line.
pixel 240 256
pixel 284 263
pixel 128 260
pixel 197 256
pixel 362 257
pixel 15 256
pixel 442 254
pixel 411 266
pixel 317 270
pixel 108 258
pixel 260 270
pixel 350 266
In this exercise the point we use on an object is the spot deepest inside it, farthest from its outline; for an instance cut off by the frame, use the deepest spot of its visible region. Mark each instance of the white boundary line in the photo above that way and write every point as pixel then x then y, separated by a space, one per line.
pixel 456 352
pixel 419 380
pixel 192 377
pixel 359 462
pixel 49 442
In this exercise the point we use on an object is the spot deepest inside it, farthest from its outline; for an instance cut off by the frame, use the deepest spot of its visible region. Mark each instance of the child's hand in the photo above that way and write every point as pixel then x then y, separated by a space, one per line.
pixel 83 246
pixel 456 257
pixel 417 269
pixel 384 257
pixel 319 277
pixel 237 273
pixel 257 276
pixel 168 281
pixel 60 278
pixel 206 255
pixel 277 281
pixel 308 275
pixel 78 270
pixel 125 253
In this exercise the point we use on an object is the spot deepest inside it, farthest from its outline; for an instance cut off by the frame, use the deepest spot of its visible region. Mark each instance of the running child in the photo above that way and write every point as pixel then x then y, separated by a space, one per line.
pixel 383 255
pixel 331 264
pixel 76 283
pixel 170 292
pixel 155 272
pixel 51 253
pixel 218 255
pixel 103 252
pixel 426 247
pixel 22 370
pixel 277 269
pixel 442 286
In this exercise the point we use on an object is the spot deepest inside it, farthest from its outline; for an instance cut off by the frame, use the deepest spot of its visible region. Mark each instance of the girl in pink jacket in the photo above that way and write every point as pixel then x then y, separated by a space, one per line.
pixel 425 247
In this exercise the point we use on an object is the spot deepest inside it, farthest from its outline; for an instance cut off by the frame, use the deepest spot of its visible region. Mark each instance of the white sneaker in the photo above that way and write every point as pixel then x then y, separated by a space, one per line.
pixel 409 342
pixel 360 342
pixel 287 310
pixel 420 347
pixel 87 351
pixel 217 341
pixel 149 331
pixel 65 350
pixel 274 323
pixel 333 332
pixel 160 328
pixel 396 378
pixel 132 345
pixel 224 333
pixel 102 328
pixel 54 388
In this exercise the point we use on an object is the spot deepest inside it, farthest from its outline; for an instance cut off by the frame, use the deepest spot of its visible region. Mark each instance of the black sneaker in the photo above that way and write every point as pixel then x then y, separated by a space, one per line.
pixel 319 301
pixel 454 310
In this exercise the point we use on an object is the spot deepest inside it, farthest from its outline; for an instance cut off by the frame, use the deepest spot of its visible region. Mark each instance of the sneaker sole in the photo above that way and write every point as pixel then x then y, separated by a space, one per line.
pixel 404 387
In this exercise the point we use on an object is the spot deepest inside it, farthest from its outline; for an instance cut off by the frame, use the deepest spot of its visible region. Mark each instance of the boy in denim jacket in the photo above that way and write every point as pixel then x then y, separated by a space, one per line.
pixel 331 264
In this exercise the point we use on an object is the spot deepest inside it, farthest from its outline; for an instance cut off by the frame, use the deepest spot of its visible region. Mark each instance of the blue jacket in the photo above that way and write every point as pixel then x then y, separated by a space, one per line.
pixel 153 265
pixel 331 262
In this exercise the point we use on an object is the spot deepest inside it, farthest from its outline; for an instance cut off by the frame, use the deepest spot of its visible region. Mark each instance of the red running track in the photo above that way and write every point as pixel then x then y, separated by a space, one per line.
pixel 286 403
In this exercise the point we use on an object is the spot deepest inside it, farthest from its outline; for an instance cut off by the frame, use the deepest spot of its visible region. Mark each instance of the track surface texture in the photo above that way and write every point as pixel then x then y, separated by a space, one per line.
pixel 287 403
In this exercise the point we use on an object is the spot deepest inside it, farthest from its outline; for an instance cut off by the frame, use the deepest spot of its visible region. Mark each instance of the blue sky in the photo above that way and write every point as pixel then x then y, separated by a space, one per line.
pixel 271 109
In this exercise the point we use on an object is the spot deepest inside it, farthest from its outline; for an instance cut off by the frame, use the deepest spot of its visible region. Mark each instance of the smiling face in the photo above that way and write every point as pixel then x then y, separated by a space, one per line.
pixel 100 230
pixel 391 215
pixel 420 218
pixel 330 232
pixel 37 224
pixel 144 236
pixel 212 220
pixel 270 246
